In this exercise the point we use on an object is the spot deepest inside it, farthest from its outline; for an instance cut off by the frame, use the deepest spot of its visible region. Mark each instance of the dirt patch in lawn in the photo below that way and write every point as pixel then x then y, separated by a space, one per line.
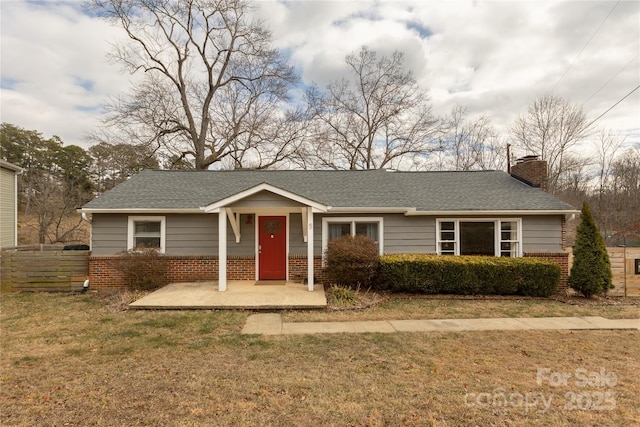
pixel 72 360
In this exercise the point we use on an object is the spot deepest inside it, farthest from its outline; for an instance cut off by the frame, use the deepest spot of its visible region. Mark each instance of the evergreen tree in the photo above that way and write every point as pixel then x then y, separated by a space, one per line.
pixel 591 271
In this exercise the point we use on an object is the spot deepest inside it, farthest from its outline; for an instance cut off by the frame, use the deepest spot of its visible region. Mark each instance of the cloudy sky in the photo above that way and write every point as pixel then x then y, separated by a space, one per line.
pixel 492 57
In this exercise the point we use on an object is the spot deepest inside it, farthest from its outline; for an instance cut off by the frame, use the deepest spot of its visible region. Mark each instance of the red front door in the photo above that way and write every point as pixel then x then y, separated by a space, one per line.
pixel 272 248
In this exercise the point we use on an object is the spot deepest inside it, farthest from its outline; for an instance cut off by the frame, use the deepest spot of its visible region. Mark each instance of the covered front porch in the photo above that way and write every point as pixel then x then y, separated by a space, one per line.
pixel 240 294
pixel 268 227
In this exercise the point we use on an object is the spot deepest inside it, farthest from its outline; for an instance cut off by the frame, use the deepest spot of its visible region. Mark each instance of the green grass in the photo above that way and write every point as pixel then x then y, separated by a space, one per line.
pixel 72 360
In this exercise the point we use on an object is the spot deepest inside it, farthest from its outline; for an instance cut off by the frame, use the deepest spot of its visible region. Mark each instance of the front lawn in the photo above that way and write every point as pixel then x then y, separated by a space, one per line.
pixel 394 306
pixel 72 360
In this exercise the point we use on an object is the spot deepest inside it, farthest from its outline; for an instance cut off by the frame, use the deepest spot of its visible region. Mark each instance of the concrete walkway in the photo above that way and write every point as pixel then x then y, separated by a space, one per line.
pixel 272 324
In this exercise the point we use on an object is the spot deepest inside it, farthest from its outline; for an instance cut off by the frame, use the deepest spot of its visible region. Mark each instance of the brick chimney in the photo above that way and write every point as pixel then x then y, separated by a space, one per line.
pixel 531 171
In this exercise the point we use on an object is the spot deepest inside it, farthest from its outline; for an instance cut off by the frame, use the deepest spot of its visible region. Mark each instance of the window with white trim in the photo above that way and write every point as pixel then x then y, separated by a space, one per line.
pixel 510 238
pixel 334 227
pixel 146 232
pixel 479 236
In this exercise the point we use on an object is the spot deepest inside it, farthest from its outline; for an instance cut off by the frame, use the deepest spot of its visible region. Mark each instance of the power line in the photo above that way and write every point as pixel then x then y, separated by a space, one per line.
pixel 609 81
pixel 612 107
pixel 585 46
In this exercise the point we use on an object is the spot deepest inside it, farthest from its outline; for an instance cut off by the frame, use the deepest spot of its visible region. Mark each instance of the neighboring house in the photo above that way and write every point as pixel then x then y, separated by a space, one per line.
pixel 9 203
pixel 267 225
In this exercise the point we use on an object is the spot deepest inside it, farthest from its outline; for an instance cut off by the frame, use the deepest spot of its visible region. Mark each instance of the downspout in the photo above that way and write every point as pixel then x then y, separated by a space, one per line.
pixel 85 217
pixel 15 211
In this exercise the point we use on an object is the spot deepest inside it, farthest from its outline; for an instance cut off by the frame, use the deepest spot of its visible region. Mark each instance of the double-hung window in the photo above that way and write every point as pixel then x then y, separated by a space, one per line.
pixel 479 236
pixel 510 238
pixel 146 232
pixel 334 227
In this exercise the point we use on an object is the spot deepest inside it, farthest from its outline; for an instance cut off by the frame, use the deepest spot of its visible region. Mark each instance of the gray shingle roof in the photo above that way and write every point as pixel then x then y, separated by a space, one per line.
pixel 424 191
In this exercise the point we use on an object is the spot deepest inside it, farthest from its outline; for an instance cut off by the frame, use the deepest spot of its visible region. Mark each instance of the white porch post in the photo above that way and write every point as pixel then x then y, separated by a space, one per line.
pixel 310 249
pixel 222 250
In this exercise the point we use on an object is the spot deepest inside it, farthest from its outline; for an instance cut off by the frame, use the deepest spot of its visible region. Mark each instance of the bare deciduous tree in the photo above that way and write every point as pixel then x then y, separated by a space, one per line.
pixel 550 128
pixel 606 146
pixel 471 145
pixel 54 207
pixel 573 185
pixel 624 205
pixel 212 84
pixel 376 119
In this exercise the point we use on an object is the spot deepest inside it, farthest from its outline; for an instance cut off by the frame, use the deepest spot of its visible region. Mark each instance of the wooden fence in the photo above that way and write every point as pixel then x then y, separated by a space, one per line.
pixel 43 270
pixel 624 262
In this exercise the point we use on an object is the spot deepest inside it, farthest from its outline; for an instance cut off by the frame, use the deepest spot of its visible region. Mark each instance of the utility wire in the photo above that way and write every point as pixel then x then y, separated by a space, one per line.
pixel 612 107
pixel 585 46
pixel 609 81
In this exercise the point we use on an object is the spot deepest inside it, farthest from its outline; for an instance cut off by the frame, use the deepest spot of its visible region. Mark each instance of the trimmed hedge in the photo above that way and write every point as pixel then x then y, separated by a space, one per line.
pixel 468 275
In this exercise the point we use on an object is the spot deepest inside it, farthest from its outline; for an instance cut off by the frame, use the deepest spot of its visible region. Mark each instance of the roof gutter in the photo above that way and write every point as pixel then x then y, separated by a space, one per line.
pixel 10 166
pixel 504 212
pixel 378 210
pixel 138 211
pixel 371 210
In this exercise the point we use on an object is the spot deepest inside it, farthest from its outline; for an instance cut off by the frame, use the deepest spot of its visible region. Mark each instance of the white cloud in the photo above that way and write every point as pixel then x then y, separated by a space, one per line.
pixel 493 57
pixel 53 56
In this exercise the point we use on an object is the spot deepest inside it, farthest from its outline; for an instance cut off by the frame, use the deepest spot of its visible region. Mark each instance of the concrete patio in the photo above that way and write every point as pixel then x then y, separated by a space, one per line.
pixel 239 295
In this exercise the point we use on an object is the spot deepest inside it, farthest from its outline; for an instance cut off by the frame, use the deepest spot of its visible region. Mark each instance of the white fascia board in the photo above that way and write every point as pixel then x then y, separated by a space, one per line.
pixel 10 166
pixel 406 211
pixel 213 207
pixel 138 211
pixel 494 213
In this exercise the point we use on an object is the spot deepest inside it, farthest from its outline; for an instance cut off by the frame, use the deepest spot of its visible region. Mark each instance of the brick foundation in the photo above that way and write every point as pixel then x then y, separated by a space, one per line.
pixel 298 269
pixel 239 268
pixel 560 258
pixel 104 275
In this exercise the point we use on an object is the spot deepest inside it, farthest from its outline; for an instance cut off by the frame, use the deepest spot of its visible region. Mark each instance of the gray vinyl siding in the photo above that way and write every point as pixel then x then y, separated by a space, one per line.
pixel 402 234
pixel 186 234
pixel 108 233
pixel 192 234
pixel 247 244
pixel 265 199
pixel 542 233
pixel 409 234
pixel 297 245
pixel 197 234
pixel 7 207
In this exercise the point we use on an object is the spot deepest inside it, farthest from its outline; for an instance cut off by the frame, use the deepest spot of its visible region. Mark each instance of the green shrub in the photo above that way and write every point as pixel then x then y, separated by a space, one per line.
pixel 468 275
pixel 352 261
pixel 143 269
pixel 591 270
